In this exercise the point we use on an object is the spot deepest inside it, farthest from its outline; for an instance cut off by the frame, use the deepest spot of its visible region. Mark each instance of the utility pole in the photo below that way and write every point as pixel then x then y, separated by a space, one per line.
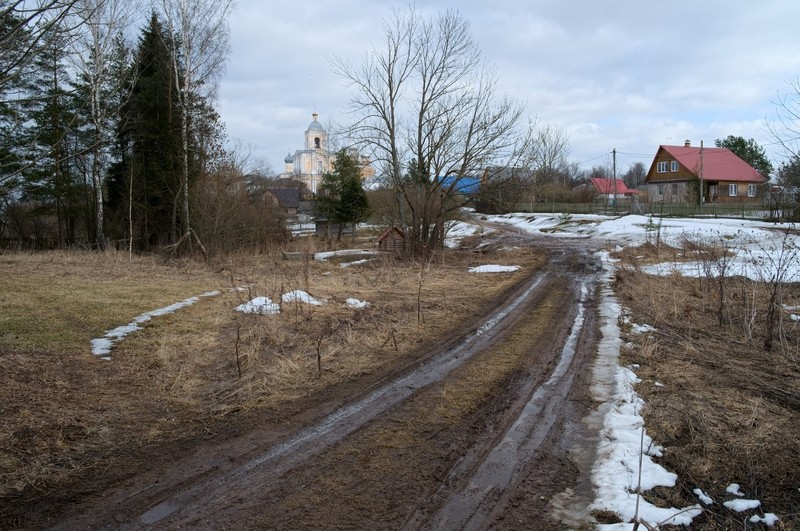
pixel 614 176
pixel 701 174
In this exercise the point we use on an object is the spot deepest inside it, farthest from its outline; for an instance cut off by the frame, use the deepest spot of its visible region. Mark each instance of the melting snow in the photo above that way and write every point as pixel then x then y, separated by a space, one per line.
pixel 642 328
pixel 491 268
pixel 741 505
pixel 102 346
pixel 734 489
pixel 300 296
pixel 259 306
pixel 769 519
pixel 705 498
pixel 355 303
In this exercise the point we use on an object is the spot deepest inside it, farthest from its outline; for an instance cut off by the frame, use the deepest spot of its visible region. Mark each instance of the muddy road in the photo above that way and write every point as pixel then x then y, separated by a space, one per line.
pixel 480 434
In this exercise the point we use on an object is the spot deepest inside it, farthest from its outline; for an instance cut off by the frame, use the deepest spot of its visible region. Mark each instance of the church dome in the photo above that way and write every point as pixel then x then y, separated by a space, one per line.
pixel 315 125
pixel 289 159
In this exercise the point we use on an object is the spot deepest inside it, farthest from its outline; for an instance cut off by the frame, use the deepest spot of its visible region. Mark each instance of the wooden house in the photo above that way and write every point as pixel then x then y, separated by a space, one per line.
pixel 392 239
pixel 678 173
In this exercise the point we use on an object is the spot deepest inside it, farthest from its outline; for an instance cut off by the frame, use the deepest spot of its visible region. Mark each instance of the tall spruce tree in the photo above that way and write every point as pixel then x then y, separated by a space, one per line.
pixel 144 185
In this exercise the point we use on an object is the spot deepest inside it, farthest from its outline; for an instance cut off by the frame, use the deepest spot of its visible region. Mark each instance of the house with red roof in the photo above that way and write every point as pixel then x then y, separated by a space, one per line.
pixel 612 188
pixel 678 172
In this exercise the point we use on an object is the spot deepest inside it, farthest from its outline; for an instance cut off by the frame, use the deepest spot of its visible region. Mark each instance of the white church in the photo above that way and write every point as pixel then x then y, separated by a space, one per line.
pixel 309 164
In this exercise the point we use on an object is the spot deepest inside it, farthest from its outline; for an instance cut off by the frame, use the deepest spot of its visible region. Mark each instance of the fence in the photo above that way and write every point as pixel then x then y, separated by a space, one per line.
pixel 626 206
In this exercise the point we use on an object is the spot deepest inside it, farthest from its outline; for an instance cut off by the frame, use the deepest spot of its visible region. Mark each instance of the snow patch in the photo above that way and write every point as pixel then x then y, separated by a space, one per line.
pixel 300 296
pixel 769 519
pixel 741 505
pixel 357 304
pixel 734 489
pixel 259 306
pixel 492 268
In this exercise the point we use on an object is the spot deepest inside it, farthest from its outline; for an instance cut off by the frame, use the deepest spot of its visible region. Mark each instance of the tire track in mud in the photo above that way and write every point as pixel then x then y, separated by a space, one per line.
pixel 479 483
pixel 218 495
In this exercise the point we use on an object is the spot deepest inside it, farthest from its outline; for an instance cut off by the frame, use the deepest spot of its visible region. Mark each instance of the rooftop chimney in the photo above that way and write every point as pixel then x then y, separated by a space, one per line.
pixel 687 143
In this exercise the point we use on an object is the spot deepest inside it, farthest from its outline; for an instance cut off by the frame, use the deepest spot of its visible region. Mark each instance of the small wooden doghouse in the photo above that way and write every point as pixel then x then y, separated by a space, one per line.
pixel 392 239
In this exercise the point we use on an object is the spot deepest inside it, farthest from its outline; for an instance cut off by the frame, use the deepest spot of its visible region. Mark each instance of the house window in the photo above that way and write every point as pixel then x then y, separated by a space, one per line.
pixel 663 167
pixel 661 190
pixel 752 190
pixel 674 190
pixel 733 190
pixel 674 166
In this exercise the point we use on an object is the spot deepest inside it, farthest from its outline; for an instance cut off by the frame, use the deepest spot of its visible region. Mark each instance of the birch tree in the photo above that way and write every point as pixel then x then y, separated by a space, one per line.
pixel 99 52
pixel 427 107
pixel 199 30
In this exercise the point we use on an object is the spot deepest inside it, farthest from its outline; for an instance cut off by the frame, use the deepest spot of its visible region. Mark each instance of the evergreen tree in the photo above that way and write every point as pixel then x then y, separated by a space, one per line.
pixel 11 115
pixel 342 198
pixel 50 141
pixel 144 185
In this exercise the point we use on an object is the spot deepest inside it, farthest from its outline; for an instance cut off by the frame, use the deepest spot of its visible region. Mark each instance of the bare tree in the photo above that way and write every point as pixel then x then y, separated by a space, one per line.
pixel 199 29
pixel 426 106
pixel 635 175
pixel 548 158
pixel 785 126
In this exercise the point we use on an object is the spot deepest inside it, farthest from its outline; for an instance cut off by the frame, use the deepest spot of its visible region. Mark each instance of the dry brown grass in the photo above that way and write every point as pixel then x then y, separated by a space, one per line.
pixel 70 422
pixel 726 410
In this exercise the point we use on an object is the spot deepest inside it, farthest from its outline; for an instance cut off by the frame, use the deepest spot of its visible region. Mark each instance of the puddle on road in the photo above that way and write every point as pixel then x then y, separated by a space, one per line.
pixel 159 512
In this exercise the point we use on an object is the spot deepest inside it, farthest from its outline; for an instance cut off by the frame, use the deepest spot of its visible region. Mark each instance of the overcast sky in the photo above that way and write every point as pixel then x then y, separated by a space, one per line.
pixel 629 75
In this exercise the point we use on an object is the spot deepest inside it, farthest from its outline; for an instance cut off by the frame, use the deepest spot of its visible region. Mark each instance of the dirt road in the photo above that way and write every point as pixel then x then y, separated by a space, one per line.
pixel 475 436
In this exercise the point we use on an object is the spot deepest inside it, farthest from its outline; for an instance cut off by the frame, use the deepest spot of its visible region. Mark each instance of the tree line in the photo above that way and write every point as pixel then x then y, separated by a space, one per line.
pixel 106 140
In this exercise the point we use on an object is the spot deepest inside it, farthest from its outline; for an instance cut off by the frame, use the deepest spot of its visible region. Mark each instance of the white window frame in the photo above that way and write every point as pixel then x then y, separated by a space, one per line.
pixel 752 190
pixel 663 167
pixel 661 189
pixel 733 190
pixel 674 167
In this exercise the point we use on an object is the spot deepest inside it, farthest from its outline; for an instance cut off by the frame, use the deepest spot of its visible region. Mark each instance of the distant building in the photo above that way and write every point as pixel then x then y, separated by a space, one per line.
pixel 309 164
pixel 677 172
pixel 611 188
